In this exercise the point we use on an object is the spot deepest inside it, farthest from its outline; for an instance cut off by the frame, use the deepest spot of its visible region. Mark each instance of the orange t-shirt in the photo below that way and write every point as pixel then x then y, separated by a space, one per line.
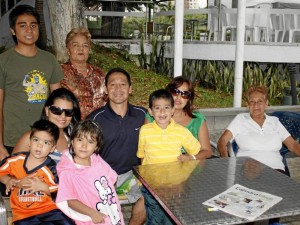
pixel 24 204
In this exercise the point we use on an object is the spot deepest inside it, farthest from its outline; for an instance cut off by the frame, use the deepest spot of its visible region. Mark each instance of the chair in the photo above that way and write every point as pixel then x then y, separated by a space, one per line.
pixel 259 23
pixel 3 216
pixel 212 23
pixel 278 26
pixel 291 121
pixel 229 22
pixel 294 27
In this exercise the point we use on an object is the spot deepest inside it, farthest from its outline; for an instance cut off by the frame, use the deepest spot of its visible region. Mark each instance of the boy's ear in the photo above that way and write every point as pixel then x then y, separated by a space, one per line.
pixel 105 89
pixel 12 31
pixel 150 112
pixel 53 148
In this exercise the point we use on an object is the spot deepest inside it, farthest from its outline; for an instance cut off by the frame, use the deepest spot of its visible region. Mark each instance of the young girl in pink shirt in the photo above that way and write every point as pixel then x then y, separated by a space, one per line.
pixel 86 190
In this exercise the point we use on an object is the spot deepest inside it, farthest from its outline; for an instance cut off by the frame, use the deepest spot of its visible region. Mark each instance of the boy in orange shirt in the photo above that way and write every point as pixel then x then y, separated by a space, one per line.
pixel 31 178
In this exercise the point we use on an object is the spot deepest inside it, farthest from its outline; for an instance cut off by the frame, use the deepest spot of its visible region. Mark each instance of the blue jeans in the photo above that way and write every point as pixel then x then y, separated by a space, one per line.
pixel 53 217
pixel 156 215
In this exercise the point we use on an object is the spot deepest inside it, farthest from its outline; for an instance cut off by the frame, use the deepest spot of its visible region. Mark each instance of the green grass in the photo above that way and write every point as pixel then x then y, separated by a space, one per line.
pixel 144 81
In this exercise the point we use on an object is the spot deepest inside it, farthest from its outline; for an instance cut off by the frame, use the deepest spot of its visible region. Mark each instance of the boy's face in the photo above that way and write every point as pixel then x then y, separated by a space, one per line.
pixel 162 112
pixel 26 30
pixel 117 88
pixel 41 144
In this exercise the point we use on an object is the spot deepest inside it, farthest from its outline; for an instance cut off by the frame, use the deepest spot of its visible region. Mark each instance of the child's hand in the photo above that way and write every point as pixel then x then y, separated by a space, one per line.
pixel 98 217
pixel 11 184
pixel 25 181
pixel 185 157
pixel 35 184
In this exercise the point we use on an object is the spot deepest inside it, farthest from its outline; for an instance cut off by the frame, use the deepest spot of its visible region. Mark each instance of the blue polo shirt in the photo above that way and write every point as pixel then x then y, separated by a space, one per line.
pixel 121 136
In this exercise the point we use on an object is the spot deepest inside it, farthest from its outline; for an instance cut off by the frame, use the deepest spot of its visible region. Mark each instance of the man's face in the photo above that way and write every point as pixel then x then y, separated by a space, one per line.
pixel 26 30
pixel 117 88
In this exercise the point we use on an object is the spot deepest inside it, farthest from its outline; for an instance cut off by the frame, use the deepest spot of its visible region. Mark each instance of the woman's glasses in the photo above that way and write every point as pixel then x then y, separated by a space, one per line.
pixel 58 111
pixel 184 94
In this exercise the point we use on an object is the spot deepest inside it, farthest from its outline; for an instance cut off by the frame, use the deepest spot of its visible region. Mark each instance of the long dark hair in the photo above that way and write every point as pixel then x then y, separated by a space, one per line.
pixel 63 93
pixel 176 83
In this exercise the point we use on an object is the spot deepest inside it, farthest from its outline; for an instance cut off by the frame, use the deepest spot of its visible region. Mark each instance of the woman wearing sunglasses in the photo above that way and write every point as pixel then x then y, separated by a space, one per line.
pixel 62 109
pixel 183 94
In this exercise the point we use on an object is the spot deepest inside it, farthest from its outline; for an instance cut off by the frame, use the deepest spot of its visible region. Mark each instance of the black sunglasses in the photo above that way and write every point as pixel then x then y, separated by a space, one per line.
pixel 184 94
pixel 58 111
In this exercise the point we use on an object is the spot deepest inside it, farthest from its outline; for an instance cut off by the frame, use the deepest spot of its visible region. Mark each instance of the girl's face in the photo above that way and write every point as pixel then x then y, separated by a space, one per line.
pixel 179 100
pixel 63 120
pixel 84 146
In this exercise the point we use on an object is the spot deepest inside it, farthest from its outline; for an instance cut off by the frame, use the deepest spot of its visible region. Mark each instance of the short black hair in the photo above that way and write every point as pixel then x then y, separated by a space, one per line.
pixel 47 126
pixel 118 70
pixel 24 10
pixel 158 94
pixel 21 10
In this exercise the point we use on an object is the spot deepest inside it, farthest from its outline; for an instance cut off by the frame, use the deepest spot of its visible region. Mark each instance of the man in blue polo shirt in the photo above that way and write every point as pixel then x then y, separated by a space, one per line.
pixel 121 122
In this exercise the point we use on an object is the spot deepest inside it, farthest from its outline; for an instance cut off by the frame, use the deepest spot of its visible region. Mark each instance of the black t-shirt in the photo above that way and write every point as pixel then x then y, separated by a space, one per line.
pixel 120 136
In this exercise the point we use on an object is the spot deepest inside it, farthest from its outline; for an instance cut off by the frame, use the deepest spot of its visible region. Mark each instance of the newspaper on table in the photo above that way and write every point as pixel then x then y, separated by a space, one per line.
pixel 243 202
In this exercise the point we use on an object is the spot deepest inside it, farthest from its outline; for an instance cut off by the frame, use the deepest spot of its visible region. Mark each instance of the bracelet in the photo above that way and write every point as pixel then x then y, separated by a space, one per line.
pixel 194 157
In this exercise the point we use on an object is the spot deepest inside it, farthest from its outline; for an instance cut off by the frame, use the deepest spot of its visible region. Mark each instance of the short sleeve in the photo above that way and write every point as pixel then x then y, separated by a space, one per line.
pixel 190 143
pixel 140 152
pixel 235 125
pixel 65 188
pixel 57 74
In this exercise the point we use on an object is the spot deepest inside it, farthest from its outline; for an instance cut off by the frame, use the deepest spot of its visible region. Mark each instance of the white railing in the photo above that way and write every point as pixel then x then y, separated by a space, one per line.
pixel 6 7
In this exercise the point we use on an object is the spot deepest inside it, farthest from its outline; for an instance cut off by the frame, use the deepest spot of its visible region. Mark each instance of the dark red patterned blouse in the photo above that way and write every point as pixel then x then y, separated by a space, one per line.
pixel 87 89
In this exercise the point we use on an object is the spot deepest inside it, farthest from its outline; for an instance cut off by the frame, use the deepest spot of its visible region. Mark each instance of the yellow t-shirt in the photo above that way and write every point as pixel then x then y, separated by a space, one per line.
pixel 157 145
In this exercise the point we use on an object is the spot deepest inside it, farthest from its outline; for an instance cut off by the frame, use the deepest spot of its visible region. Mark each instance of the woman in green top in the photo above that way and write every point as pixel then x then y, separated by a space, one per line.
pixel 183 93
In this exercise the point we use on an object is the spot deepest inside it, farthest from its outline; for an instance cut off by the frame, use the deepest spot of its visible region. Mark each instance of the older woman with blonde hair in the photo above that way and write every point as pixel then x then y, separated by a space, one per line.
pixel 258 135
pixel 83 79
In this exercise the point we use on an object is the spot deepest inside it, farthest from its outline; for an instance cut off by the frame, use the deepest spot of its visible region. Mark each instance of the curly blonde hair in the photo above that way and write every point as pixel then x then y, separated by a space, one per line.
pixel 78 31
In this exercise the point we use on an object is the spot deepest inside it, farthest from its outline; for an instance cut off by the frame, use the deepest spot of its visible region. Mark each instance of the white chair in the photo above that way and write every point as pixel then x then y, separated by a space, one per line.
pixel 258 24
pixel 294 27
pixel 278 26
pixel 212 23
pixel 229 22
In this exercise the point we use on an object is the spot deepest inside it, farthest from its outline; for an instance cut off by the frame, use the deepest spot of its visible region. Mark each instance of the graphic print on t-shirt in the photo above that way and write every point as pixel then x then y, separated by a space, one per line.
pixel 35 86
pixel 107 203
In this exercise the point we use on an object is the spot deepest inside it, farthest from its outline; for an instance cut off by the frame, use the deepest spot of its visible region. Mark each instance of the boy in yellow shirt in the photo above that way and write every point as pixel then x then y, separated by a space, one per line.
pixel 161 142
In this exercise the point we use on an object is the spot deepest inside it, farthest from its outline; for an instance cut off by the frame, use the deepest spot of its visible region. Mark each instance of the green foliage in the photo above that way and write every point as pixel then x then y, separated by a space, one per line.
pixel 219 76
pixel 145 81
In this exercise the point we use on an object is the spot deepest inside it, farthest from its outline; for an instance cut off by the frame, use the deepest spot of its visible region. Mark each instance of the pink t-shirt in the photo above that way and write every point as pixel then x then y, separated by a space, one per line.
pixel 92 185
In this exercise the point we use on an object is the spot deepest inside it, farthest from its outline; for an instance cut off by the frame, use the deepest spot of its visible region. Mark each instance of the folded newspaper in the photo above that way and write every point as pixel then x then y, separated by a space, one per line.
pixel 243 202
